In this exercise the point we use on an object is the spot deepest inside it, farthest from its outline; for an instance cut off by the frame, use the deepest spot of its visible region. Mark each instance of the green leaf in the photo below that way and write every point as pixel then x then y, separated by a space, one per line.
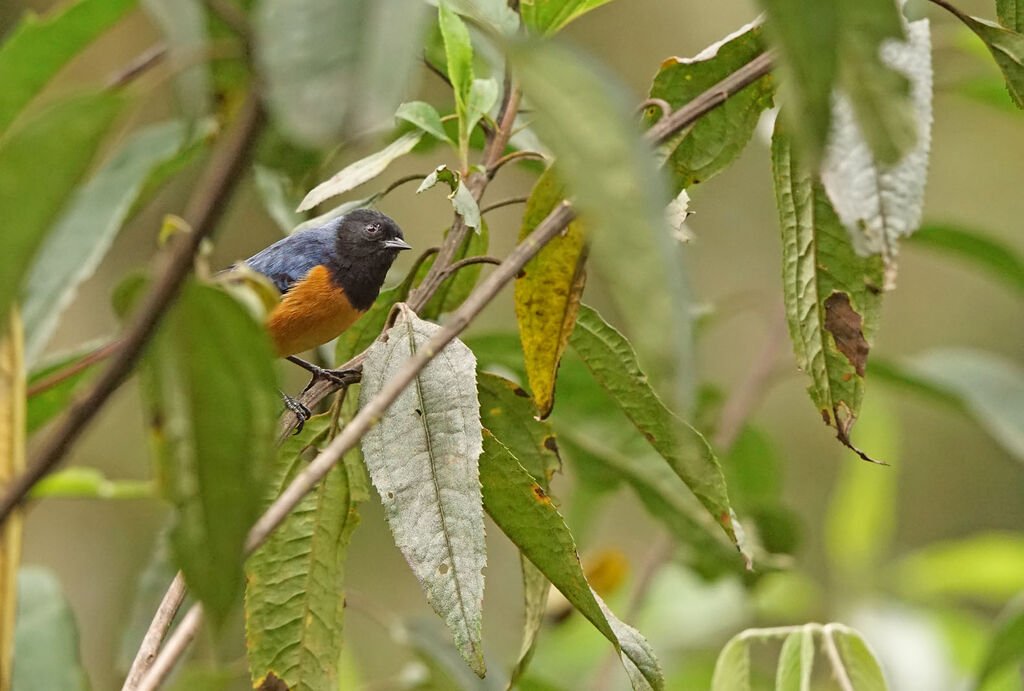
pixel 273 187
pixel 424 116
pixel 456 287
pixel 732 669
pixel 524 512
pixel 294 604
pixel 1006 47
pixel 46 637
pixel 12 464
pixel 89 483
pixel 796 661
pixel 36 49
pixel 806 34
pixel 336 67
pixel 483 94
pixel 877 93
pixel 183 23
pixel 613 363
pixel 995 256
pixel 613 178
pixel 56 147
pixel 548 16
pixel 716 139
pixel 832 295
pixel 360 335
pixel 859 669
pixel 458 50
pixel 86 229
pixel 991 387
pixel 987 567
pixel 361 171
pixel 461 198
pixel 1011 14
pixel 44 406
pixel 422 457
pixel 548 291
pixel 508 413
pixel 879 202
pixel 211 404
pixel 1006 644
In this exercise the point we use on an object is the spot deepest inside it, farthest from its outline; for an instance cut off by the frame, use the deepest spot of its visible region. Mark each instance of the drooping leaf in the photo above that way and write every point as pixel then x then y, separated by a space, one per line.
pixel 86 230
pixel 183 23
pixel 732 669
pixel 878 94
pixel 859 666
pixel 457 287
pixel 461 198
pixel 56 146
pixel 1006 644
pixel 39 47
pixel 985 252
pixel 796 662
pixel 548 16
pixel 46 637
pixel 613 363
pixel 422 458
pixel 508 413
pixel 613 178
pixel 524 512
pixel 547 292
pixel 987 567
pixel 832 295
pixel 361 171
pixel 44 406
pixel 806 35
pixel 424 116
pixel 717 138
pixel 1006 47
pixel 294 601
pixel 12 464
pixel 880 203
pixel 1011 14
pixel 332 67
pixel 209 388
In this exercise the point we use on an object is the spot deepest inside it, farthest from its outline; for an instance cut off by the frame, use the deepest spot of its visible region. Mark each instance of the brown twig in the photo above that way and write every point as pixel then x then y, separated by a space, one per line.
pixel 203 211
pixel 137 66
pixel 176 645
pixel 504 202
pixel 62 375
pixel 452 268
pixel 515 155
pixel 144 659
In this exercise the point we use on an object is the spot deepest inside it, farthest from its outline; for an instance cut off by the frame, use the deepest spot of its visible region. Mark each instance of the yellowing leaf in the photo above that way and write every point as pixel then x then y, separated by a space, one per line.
pixel 547 293
pixel 12 463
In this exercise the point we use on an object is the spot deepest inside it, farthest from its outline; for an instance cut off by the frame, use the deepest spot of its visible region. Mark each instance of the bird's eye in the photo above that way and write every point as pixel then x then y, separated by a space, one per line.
pixel 373 229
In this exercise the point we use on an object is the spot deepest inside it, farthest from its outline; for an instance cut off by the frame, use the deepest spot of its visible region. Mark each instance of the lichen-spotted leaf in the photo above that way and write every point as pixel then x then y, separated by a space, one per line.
pixel 423 459
pixel 547 292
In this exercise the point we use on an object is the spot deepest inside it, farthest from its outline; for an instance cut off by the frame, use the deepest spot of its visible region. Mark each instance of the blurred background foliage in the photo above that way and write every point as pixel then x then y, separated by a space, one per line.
pixel 925 557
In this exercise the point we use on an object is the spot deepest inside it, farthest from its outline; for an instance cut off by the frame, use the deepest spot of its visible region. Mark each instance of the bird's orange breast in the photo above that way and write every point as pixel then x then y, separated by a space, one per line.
pixel 313 312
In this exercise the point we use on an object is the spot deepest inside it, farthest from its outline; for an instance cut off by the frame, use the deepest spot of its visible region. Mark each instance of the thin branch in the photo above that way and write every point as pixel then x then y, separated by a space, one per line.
pixel 137 66
pixel 504 202
pixel 62 375
pixel 204 210
pixel 430 66
pixel 399 182
pixel 165 613
pixel 512 157
pixel 452 268
pixel 176 645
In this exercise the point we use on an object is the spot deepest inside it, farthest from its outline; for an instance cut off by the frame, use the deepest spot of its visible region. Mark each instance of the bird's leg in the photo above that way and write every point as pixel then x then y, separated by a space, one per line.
pixel 334 375
pixel 302 413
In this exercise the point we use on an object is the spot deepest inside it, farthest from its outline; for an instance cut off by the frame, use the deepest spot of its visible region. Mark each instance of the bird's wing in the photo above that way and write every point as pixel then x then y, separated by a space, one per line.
pixel 287 261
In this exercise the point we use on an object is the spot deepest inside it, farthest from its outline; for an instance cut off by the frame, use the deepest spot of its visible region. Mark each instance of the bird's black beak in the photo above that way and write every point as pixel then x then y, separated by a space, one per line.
pixel 397 244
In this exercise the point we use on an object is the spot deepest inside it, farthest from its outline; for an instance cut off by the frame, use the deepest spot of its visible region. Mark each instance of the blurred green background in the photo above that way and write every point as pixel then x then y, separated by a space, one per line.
pixel 948 479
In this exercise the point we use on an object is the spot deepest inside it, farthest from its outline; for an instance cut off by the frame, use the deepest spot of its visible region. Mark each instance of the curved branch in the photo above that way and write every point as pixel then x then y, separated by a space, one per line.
pixel 504 202
pixel 452 268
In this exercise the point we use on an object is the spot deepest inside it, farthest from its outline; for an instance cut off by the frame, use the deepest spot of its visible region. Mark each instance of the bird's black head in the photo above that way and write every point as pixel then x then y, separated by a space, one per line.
pixel 366 246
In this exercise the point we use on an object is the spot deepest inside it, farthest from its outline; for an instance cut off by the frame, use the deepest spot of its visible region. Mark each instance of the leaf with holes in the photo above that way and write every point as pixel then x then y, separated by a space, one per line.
pixel 423 459
pixel 612 361
pixel 881 203
pixel 524 512
pixel 832 295
pixel 717 138
pixel 294 602
pixel 548 291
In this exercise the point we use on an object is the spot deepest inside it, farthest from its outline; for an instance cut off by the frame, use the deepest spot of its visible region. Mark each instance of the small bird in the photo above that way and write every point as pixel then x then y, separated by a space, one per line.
pixel 329 276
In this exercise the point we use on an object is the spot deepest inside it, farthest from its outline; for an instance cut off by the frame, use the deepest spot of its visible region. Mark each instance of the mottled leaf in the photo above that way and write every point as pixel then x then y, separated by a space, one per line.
pixel 732 669
pixel 424 116
pixel 508 413
pixel 422 457
pixel 832 295
pixel 85 231
pixel 796 661
pixel 995 256
pixel 56 146
pixel 1006 47
pixel 211 404
pixel 332 67
pixel 880 203
pixel 856 668
pixel 548 16
pixel 46 636
pixel 717 138
pixel 524 512
pixel 547 292
pixel 183 23
pixel 361 171
pixel 38 47
pixel 1011 14
pixel 613 363
pixel 12 464
pixel 294 601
